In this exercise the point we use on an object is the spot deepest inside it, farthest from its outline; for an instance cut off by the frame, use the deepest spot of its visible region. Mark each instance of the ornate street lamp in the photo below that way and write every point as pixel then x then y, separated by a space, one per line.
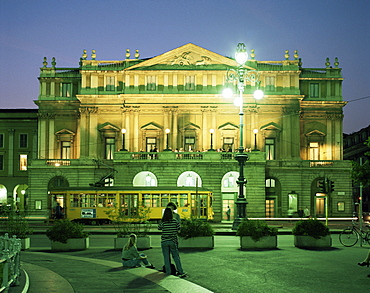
pixel 123 140
pixel 211 131
pixel 241 75
pixel 167 134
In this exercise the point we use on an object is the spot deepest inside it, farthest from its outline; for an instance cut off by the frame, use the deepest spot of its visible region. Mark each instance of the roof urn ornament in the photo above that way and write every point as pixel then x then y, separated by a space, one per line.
pixel 93 54
pixel 253 55
pixel 53 63
pixel 286 55
pixel 137 55
pixel 336 62
pixel 45 62
pixel 84 55
pixel 296 56
pixel 327 63
pixel 128 54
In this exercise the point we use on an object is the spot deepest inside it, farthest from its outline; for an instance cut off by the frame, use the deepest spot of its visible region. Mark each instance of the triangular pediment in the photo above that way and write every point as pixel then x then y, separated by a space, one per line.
pixel 188 56
pixel 315 133
pixel 65 131
pixel 108 127
pixel 151 126
pixel 271 126
pixel 228 126
pixel 191 126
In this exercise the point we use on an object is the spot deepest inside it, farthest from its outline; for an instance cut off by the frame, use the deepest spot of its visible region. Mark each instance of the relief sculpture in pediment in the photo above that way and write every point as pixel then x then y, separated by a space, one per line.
pixel 190 58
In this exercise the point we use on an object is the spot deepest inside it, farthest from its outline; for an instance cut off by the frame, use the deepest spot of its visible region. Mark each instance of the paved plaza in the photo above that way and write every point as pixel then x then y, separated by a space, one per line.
pixel 225 268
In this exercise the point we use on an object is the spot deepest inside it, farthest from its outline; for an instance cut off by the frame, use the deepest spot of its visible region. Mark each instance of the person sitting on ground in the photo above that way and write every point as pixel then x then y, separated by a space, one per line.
pixel 366 262
pixel 131 257
pixel 173 207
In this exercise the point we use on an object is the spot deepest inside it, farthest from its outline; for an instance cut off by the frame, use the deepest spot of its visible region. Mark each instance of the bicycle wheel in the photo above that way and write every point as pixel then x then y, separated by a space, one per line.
pixel 348 237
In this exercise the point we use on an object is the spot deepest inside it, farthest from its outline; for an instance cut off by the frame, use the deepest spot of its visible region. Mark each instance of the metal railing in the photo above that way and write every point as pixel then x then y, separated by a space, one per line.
pixel 10 261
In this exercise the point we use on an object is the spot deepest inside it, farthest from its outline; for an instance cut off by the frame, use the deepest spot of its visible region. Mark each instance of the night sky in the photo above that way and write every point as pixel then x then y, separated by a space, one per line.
pixel 32 29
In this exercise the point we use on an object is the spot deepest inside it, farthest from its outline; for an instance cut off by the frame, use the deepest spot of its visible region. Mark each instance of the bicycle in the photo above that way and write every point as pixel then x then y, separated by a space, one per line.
pixel 350 236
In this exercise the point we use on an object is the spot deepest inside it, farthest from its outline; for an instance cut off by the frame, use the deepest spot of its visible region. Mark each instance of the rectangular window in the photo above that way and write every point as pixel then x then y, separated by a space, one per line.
pixel 314 151
pixel 66 150
pixel 66 89
pixel 1 162
pixel 23 162
pixel 293 202
pixel 110 144
pixel 1 140
pixel 270 148
pixel 270 182
pixel 189 83
pixel 111 82
pixel 23 140
pixel 151 143
pixel 151 83
pixel 340 206
pixel 314 90
pixel 228 144
pixel 270 83
pixel 189 144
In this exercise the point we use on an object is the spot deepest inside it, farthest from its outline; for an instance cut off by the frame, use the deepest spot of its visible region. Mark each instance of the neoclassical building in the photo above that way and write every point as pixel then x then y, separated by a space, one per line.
pixel 98 122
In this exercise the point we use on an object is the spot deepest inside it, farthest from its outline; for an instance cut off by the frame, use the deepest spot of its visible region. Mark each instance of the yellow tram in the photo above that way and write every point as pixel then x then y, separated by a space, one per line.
pixel 90 205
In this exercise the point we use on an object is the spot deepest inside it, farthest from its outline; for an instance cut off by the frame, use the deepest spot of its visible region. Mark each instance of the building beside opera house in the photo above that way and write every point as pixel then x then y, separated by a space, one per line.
pixel 163 123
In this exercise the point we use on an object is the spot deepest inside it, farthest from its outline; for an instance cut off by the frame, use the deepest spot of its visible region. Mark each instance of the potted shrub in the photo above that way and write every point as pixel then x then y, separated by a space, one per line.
pixel 196 233
pixel 125 225
pixel 311 233
pixel 16 224
pixel 67 235
pixel 255 234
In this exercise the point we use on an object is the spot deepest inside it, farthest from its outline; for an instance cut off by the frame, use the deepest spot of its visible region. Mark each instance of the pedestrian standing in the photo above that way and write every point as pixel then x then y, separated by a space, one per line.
pixel 173 207
pixel 169 242
pixel 228 212
pixel 306 212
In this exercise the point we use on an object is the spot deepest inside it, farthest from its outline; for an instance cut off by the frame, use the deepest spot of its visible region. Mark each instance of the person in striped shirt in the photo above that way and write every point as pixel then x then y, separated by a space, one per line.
pixel 169 242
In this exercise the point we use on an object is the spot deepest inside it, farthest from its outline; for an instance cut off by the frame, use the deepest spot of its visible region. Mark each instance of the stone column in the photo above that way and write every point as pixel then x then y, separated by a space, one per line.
pixel 205 131
pixel 136 129
pixel 84 136
pixel 93 133
pixel 216 144
pixel 11 147
pixel 42 136
pixel 175 142
pixel 286 134
pixel 53 148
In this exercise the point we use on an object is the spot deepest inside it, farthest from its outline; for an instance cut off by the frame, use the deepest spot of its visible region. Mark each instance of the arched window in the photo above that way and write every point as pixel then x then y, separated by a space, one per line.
pixel 189 178
pixel 145 178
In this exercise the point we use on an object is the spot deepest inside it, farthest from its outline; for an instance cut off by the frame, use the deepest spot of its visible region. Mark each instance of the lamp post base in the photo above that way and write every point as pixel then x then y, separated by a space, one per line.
pixel 241 205
pixel 241 202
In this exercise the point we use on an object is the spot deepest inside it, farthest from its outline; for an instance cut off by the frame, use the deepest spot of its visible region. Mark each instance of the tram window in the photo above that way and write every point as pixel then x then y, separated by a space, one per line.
pixel 155 202
pixel 146 202
pixel 92 200
pixel 111 199
pixel 184 195
pixel 183 202
pixel 164 202
pixel 174 199
pixel 74 199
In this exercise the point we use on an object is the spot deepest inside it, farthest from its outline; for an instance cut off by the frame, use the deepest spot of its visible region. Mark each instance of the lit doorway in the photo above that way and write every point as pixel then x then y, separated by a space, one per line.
pixel 228 204
pixel 270 207
pixel 320 206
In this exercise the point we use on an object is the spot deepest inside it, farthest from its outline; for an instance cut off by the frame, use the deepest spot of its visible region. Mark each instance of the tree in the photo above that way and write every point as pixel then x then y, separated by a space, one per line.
pixel 361 173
